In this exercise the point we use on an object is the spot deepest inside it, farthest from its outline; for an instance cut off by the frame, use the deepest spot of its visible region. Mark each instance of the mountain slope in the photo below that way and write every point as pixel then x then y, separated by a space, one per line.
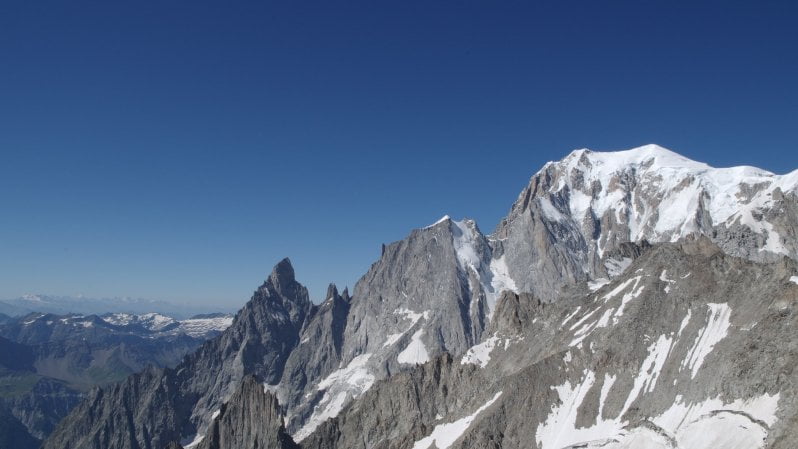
pixel 514 329
pixel 659 358
pixel 165 405
pixel 577 210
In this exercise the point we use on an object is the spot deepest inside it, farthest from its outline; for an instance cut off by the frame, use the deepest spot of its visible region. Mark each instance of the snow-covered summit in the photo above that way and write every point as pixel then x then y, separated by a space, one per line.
pixel 577 212
pixel 659 195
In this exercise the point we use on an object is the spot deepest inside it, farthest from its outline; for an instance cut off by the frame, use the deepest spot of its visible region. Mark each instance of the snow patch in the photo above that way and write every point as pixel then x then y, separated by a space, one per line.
pixel 444 435
pixel 571 315
pixel 415 353
pixel 407 314
pixel 559 430
pixel 704 425
pixel 341 385
pixel 794 279
pixel 716 329
pixel 355 374
pixel 442 219
pixel 649 372
pixel 597 284
pixel 712 423
pixel 549 211
pixel 493 276
pixel 480 354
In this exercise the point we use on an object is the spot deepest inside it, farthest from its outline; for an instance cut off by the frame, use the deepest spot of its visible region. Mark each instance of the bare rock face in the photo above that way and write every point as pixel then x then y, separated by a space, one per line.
pixel 250 420
pixel 13 433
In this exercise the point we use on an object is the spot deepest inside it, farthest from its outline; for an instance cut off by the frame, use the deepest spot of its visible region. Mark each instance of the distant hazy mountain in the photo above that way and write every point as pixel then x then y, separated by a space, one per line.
pixel 49 361
pixel 67 304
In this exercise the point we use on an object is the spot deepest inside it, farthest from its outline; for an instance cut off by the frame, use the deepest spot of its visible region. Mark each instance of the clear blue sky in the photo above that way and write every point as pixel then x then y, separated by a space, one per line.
pixel 177 150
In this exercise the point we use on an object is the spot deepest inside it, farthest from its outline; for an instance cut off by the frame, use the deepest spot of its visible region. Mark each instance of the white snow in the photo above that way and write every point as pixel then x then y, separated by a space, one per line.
pixel 355 374
pixel 164 325
pixel 621 287
pixel 716 329
pixel 597 284
pixel 443 435
pixel 118 319
pixel 155 321
pixel 671 190
pixel 794 279
pixel 649 371
pixel 713 424
pixel 407 314
pixel 609 381
pixel 684 323
pixel 480 354
pixel 415 352
pixel 664 278
pixel 549 211
pixel 571 315
pixel 616 267
pixel 465 244
pixel 500 280
pixel 441 220
pixel 193 442
pixel 411 315
pixel 329 407
pixel 559 429
pixel 708 424
pixel 341 385
pixel 493 276
pixel 198 327
pixel 392 339
pixel 586 327
pixel 632 294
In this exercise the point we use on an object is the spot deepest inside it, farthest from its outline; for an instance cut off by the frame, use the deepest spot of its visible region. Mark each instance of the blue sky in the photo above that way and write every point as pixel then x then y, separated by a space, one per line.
pixel 177 150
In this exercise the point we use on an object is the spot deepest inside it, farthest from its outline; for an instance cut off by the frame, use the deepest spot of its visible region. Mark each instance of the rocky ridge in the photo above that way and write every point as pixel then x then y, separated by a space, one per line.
pixel 439 292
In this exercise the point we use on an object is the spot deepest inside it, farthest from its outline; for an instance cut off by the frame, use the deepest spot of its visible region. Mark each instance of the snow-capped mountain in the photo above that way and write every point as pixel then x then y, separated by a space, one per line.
pixel 201 326
pixel 629 299
pixel 576 212
pixel 63 305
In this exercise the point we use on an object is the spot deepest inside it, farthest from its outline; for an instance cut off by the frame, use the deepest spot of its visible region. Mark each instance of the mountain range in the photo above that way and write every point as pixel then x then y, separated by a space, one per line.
pixel 49 362
pixel 63 305
pixel 632 299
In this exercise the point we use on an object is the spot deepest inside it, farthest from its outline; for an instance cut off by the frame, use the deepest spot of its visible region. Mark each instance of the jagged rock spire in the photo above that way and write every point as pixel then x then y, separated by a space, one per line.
pixel 282 274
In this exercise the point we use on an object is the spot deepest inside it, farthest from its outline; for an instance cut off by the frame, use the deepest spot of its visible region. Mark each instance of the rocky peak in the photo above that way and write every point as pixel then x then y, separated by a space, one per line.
pixel 250 419
pixel 332 292
pixel 282 274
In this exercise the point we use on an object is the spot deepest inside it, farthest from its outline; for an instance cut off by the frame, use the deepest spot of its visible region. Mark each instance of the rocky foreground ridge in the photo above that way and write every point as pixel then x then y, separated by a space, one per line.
pixel 633 299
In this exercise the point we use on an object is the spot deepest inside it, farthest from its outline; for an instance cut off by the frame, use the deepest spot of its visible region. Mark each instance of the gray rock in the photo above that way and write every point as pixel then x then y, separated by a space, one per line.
pixel 682 348
pixel 250 420
pixel 159 406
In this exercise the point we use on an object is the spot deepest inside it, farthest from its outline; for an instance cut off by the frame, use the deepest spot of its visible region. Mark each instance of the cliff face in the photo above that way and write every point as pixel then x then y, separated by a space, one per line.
pixel 251 419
